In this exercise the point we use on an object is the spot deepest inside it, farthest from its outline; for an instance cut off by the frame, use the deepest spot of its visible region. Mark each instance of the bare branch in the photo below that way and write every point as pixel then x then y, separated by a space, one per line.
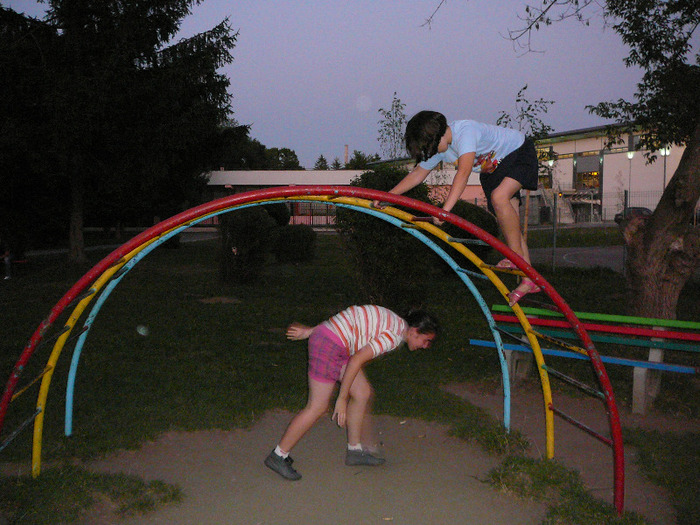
pixel 547 13
pixel 428 21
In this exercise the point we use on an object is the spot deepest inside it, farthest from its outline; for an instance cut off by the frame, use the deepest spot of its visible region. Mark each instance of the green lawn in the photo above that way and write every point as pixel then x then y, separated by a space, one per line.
pixel 215 354
pixel 575 237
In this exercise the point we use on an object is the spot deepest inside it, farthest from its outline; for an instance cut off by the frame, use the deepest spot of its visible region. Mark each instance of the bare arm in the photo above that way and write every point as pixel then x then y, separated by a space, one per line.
pixel 355 364
pixel 410 181
pixel 464 169
pixel 298 331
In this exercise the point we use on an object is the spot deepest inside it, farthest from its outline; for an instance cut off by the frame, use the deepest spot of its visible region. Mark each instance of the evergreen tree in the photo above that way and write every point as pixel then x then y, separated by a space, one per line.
pixel 321 163
pixel 123 122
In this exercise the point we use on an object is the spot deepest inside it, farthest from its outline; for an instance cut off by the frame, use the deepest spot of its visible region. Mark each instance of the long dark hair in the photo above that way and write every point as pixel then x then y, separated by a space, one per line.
pixel 423 134
pixel 422 321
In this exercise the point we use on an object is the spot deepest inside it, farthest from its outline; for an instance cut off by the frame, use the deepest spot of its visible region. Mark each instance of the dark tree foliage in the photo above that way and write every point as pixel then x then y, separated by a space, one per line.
pixel 247 235
pixel 360 161
pixel 31 190
pixel 389 263
pixel 282 159
pixel 321 163
pixel 112 120
pixel 664 249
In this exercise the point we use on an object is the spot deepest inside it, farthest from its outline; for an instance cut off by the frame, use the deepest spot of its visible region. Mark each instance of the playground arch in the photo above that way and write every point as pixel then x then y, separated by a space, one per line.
pixel 107 273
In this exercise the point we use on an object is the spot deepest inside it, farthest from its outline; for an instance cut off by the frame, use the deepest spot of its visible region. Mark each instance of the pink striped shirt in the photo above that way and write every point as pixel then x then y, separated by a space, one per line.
pixel 371 325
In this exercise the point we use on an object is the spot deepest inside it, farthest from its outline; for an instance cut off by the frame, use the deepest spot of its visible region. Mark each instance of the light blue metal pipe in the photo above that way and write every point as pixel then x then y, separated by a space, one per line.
pixel 462 273
pixel 77 351
pixel 118 276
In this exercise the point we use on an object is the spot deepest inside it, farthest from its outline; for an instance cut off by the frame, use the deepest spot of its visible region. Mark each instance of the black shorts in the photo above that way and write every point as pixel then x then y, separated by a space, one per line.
pixel 520 165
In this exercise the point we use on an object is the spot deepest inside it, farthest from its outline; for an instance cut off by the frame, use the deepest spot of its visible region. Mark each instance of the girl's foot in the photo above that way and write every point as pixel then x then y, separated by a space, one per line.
pixel 524 288
pixel 506 264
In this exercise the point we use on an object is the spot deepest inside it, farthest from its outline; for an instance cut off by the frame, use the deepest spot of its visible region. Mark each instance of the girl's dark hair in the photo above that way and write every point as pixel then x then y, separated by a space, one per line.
pixel 423 134
pixel 423 321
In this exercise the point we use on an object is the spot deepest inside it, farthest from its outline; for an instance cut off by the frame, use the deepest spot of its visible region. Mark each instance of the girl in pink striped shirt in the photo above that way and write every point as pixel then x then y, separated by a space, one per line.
pixel 338 350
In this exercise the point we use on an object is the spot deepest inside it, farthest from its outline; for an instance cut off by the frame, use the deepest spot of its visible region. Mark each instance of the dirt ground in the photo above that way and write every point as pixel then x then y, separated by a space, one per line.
pixel 429 477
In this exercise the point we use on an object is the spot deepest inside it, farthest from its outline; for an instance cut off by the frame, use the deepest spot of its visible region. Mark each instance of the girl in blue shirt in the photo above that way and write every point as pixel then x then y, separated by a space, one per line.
pixel 505 159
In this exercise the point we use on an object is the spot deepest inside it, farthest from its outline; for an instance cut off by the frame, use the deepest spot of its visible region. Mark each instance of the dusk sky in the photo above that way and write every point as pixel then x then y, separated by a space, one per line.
pixel 311 75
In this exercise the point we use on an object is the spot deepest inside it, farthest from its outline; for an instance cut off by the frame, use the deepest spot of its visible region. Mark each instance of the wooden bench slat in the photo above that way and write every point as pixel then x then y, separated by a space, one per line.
pixel 594 327
pixel 627 341
pixel 612 318
pixel 606 359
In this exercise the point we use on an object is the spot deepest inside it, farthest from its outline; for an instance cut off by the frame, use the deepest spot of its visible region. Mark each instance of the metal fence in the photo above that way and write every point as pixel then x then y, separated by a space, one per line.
pixel 315 214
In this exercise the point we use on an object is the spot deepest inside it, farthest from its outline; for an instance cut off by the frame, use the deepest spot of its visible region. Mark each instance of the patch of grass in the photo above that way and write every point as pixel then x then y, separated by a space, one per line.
pixel 561 489
pixel 61 494
pixel 568 237
pixel 221 365
pixel 672 461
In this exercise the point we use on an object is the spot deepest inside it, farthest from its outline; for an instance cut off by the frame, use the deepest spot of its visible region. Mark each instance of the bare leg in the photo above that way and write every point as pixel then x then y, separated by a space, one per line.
pixel 319 398
pixel 508 215
pixel 359 422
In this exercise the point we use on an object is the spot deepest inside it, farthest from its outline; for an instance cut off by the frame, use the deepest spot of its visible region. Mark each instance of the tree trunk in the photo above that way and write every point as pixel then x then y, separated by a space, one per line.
pixel 664 249
pixel 76 242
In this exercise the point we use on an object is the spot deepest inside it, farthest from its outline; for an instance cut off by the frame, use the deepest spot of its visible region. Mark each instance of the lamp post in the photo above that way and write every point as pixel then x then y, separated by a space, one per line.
pixel 630 156
pixel 665 151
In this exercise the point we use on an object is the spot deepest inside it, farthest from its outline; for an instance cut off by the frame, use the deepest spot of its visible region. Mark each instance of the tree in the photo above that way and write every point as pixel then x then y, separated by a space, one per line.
pixel 112 111
pixel 282 159
pixel 239 150
pixel 336 164
pixel 391 129
pixel 321 163
pixel 31 190
pixel 360 161
pixel 386 273
pixel 528 118
pixel 664 249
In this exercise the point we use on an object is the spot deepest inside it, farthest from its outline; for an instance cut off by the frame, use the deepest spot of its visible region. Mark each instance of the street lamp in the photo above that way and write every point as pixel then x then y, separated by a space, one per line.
pixel 630 156
pixel 665 152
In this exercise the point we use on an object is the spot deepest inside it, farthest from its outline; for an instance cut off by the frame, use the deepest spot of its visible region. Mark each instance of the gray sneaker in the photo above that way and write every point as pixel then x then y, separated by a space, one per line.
pixel 283 466
pixel 362 457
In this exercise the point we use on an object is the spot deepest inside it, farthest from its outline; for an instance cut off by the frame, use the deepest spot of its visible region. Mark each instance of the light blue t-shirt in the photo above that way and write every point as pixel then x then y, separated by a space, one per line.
pixel 490 143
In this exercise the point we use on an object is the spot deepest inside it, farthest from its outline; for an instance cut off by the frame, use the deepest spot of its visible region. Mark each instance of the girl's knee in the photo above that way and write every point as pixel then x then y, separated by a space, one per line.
pixel 365 394
pixel 501 198
pixel 316 410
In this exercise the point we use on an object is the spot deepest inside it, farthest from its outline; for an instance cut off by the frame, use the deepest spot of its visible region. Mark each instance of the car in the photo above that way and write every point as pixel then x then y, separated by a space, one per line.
pixel 631 213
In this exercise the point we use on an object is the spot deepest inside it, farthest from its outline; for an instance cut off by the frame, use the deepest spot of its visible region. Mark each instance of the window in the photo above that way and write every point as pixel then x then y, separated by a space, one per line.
pixel 587 180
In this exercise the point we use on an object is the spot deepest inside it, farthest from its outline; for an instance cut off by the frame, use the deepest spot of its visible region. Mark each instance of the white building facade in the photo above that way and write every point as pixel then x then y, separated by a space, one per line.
pixel 591 182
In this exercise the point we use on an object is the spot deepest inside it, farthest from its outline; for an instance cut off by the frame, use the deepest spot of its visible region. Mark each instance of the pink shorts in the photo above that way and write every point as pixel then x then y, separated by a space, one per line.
pixel 327 355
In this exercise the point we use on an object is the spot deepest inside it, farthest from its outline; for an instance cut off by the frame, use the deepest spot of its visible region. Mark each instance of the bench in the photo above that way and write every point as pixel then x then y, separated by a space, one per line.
pixel 655 335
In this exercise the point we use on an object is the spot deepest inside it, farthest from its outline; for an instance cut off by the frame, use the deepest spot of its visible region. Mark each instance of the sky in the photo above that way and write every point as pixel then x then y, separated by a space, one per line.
pixel 311 75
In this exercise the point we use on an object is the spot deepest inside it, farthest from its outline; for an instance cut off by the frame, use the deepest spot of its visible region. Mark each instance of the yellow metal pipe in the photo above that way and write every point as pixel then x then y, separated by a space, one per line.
pixel 58 348
pixel 500 286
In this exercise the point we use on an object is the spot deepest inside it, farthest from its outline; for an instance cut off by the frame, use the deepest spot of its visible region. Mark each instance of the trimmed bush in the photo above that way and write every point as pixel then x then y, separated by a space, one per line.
pixel 279 212
pixel 246 238
pixel 295 243
pixel 388 261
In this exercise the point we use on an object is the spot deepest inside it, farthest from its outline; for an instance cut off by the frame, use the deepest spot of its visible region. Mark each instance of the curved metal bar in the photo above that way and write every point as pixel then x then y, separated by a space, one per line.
pixel 68 422
pixel 472 289
pixel 146 248
pixel 340 191
pixel 51 365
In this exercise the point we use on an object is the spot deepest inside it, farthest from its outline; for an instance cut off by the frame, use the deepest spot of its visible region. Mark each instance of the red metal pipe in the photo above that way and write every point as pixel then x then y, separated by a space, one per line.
pixel 339 191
